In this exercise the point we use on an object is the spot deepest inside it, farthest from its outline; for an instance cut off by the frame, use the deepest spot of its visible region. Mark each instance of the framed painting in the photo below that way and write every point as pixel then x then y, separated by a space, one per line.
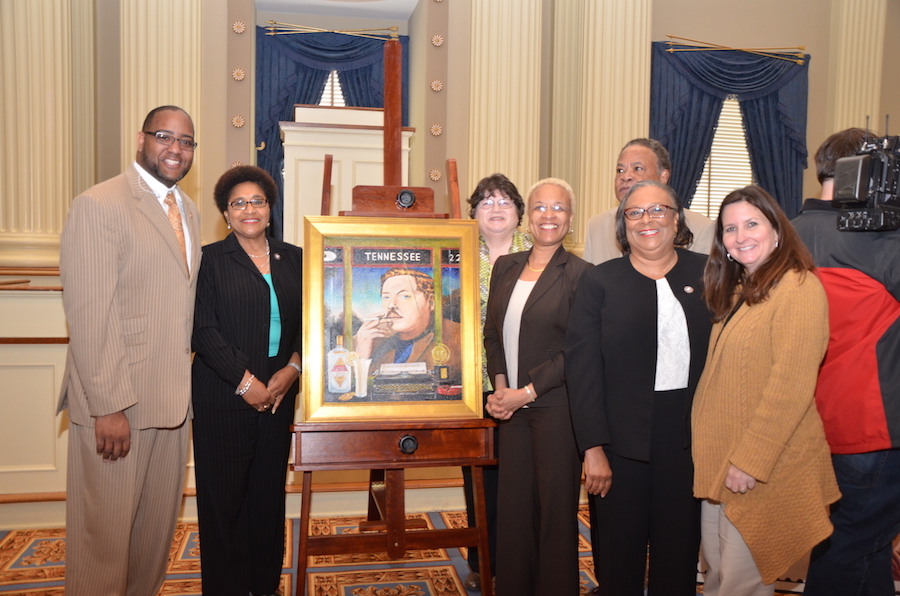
pixel 392 328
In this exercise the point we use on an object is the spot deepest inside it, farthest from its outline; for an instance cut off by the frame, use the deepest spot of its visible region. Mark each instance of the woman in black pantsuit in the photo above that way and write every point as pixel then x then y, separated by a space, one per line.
pixel 527 311
pixel 245 382
pixel 635 348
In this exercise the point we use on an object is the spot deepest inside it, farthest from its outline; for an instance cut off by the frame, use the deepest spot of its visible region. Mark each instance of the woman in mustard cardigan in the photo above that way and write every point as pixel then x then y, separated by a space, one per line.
pixel 761 463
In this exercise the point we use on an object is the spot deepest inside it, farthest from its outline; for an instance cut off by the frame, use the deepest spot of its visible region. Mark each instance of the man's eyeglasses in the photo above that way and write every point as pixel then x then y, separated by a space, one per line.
pixel 654 211
pixel 165 139
pixel 489 204
pixel 241 204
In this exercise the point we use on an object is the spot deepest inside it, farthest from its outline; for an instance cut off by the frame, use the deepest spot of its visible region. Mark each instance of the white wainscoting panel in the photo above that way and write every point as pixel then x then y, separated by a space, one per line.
pixel 32 436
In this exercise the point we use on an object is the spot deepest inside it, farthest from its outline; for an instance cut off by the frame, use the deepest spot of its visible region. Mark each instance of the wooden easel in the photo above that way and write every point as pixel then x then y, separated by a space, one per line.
pixel 382 447
pixel 385 448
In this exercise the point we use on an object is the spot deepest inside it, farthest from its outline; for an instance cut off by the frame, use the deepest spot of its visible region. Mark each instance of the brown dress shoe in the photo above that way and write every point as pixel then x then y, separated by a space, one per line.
pixel 473 582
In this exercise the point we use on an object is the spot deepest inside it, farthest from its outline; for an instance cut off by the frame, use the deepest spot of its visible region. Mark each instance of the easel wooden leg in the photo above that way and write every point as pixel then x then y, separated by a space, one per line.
pixel 395 515
pixel 484 552
pixel 387 506
pixel 303 546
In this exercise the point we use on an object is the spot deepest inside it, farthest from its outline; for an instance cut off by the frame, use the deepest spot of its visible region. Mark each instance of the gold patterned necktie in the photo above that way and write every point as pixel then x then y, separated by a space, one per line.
pixel 175 220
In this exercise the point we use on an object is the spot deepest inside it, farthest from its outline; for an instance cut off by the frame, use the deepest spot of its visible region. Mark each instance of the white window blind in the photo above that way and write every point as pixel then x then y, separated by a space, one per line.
pixel 728 165
pixel 332 95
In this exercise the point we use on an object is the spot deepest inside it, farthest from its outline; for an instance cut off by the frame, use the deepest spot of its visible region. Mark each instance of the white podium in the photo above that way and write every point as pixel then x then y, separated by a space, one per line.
pixel 354 136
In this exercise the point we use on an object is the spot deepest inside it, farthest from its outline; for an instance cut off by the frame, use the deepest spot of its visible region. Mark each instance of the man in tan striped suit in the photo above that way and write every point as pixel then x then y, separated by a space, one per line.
pixel 129 256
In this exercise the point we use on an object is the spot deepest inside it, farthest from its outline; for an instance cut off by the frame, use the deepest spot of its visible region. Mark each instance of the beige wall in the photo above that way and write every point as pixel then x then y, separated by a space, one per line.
pixel 890 78
pixel 731 22
pixel 108 98
pixel 221 143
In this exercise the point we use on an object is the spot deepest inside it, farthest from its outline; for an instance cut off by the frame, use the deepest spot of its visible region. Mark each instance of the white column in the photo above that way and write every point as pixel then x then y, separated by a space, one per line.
pixel 48 96
pixel 566 107
pixel 84 118
pixel 615 97
pixel 38 80
pixel 857 42
pixel 504 121
pixel 160 65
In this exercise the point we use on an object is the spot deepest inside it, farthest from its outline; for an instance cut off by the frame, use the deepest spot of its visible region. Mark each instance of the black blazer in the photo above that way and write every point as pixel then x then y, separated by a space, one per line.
pixel 231 319
pixel 611 352
pixel 543 326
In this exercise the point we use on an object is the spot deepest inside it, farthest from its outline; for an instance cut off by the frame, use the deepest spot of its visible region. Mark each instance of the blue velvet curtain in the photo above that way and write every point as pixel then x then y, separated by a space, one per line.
pixel 292 69
pixel 687 91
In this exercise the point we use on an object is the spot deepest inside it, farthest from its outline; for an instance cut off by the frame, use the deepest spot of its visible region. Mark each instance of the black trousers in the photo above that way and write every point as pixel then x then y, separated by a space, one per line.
pixel 650 502
pixel 240 464
pixel 537 520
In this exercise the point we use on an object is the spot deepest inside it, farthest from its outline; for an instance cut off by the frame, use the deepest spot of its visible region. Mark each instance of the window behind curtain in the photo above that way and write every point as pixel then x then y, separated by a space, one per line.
pixel 332 96
pixel 728 164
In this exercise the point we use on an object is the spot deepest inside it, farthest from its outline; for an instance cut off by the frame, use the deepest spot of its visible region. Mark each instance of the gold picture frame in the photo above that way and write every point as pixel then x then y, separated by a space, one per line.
pixel 391 321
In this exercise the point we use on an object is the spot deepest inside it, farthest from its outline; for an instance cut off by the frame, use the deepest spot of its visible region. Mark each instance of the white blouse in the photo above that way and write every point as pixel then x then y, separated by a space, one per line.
pixel 673 352
pixel 511 326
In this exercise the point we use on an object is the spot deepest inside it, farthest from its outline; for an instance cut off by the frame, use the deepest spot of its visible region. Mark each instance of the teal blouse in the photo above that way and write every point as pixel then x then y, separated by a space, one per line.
pixel 274 319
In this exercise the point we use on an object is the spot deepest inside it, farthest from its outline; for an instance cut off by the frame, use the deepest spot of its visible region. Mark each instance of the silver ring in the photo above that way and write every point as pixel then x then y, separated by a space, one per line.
pixel 743 491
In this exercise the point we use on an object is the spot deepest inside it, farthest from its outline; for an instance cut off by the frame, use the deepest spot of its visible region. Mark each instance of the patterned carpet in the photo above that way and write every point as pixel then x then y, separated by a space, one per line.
pixel 32 563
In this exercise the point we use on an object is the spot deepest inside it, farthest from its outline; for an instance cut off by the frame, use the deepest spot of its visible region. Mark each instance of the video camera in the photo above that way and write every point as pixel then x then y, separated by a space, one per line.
pixel 865 187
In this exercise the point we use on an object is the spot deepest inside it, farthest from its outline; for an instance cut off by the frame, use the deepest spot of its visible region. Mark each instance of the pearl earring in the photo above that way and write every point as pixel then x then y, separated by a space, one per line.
pixel 229 225
pixel 728 255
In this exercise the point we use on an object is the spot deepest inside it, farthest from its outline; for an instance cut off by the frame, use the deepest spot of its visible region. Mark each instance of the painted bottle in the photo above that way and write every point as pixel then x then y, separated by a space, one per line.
pixel 339 374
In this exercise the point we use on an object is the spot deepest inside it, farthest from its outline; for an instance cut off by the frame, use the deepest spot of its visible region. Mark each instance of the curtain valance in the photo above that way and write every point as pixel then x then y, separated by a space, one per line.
pixel 687 91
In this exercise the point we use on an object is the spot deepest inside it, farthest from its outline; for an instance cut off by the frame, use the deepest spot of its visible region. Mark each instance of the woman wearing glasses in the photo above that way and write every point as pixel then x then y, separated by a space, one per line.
pixel 635 348
pixel 247 343
pixel 527 311
pixel 498 207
